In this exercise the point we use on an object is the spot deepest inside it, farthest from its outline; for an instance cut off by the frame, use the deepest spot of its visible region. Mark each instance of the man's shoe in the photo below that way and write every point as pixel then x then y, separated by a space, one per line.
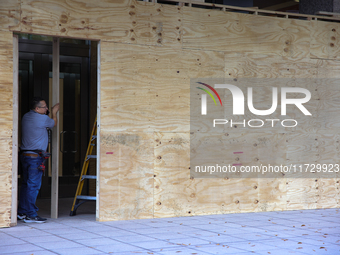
pixel 35 219
pixel 21 216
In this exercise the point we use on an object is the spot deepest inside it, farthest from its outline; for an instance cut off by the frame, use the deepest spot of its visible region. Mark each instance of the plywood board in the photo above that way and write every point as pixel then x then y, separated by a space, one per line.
pixel 324 40
pixel 5 183
pixel 302 193
pixel 177 195
pixel 186 197
pixel 146 88
pixel 137 22
pixel 126 174
pixel 133 22
pixel 238 149
pixel 6 125
pixel 226 31
pixel 149 53
pixel 10 15
pixel 328 193
pixel 55 18
pixel 313 148
pixel 269 65
pixel 272 194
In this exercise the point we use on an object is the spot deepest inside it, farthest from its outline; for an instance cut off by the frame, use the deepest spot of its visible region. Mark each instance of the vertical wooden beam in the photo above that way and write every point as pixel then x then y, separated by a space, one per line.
pixel 55 132
pixel 15 130
pixel 98 131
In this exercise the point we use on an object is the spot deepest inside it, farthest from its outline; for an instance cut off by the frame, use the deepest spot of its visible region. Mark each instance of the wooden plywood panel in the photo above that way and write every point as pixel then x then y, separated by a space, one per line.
pixel 225 31
pixel 311 193
pixel 6 118
pixel 55 18
pixel 186 197
pixel 126 90
pixel 313 149
pixel 269 65
pixel 328 68
pixel 109 201
pixel 5 183
pixel 146 88
pixel 172 155
pixel 9 15
pixel 238 149
pixel 325 40
pixel 126 176
pixel 328 193
pixel 177 195
pixel 6 155
pixel 272 194
pixel 125 21
pixel 302 193
pixel 172 196
pixel 136 22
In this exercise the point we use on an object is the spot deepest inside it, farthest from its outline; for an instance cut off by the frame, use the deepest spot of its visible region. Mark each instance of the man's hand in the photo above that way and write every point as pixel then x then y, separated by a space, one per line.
pixel 54 110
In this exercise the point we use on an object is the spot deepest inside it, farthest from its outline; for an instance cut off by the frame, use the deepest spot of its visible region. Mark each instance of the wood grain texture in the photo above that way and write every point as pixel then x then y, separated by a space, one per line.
pixel 146 88
pixel 6 125
pixel 5 182
pixel 313 148
pixel 302 193
pixel 137 22
pixel 5 198
pixel 133 22
pixel 149 54
pixel 126 176
pixel 226 31
pixel 269 65
pixel 186 197
pixel 55 18
pixel 325 40
pixel 9 15
pixel 328 193
pixel 172 173
pixel 272 194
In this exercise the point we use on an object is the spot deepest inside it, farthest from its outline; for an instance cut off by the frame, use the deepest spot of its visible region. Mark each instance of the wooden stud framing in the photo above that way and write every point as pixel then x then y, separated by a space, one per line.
pixel 55 132
pixel 257 11
pixel 98 131
pixel 15 130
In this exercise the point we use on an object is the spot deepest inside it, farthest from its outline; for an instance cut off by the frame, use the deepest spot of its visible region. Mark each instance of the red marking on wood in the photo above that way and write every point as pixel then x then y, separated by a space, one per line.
pixel 237 164
pixel 109 152
pixel 238 152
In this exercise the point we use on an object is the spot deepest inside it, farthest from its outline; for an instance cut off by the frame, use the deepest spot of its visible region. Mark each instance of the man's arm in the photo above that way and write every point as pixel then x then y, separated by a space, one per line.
pixel 54 111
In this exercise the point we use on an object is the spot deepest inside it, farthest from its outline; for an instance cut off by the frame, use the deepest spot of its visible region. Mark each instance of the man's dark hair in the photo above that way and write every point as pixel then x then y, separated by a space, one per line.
pixel 36 102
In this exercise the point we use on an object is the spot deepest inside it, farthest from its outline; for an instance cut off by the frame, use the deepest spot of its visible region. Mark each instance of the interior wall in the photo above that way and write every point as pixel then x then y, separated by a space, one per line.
pixel 149 52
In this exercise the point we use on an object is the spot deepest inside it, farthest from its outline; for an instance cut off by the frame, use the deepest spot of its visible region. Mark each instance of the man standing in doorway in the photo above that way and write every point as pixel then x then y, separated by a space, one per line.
pixel 33 150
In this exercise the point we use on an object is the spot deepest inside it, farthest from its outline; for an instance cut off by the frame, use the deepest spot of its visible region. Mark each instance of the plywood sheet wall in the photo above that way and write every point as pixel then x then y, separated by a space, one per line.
pixel 149 52
pixel 6 118
pixel 155 82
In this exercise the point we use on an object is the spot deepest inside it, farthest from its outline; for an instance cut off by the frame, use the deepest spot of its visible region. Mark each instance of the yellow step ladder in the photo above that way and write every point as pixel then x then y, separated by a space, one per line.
pixel 79 199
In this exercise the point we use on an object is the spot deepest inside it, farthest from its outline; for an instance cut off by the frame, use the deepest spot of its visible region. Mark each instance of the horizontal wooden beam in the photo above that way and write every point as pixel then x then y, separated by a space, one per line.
pixel 256 11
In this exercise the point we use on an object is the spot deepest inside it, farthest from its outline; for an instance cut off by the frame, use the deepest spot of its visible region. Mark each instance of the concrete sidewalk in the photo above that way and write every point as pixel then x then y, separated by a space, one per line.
pixel 290 232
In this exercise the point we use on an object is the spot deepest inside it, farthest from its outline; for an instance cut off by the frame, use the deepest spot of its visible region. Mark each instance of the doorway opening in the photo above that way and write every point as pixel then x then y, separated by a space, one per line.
pixel 78 110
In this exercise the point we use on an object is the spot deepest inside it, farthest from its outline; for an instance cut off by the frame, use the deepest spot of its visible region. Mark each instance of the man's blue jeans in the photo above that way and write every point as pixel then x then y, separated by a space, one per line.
pixel 31 183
